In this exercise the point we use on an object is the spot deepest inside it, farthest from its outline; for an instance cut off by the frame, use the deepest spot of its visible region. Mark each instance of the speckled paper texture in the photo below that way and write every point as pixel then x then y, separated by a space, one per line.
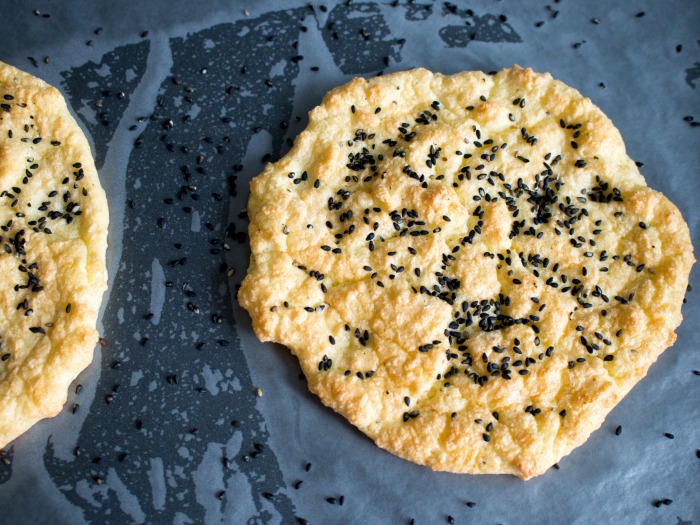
pixel 183 103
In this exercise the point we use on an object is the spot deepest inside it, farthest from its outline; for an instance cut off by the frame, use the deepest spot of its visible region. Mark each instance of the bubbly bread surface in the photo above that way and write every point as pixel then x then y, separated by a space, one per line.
pixel 53 241
pixel 469 268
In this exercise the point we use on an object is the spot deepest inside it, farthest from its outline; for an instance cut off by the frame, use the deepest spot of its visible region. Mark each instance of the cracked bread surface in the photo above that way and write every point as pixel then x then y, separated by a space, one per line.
pixel 53 220
pixel 469 268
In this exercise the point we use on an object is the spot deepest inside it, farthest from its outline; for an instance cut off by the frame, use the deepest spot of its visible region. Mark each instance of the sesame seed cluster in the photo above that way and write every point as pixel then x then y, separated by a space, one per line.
pixel 469 268
pixel 53 235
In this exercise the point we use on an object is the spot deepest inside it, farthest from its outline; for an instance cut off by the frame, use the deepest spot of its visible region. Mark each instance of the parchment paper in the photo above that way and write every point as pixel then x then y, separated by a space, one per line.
pixel 186 438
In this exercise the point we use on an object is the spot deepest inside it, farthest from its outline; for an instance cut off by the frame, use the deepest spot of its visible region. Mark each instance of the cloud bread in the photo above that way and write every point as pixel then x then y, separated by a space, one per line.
pixel 469 268
pixel 53 240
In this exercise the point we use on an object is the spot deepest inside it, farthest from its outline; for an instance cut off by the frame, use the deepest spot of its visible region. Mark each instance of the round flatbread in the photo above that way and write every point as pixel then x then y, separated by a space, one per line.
pixel 53 240
pixel 469 268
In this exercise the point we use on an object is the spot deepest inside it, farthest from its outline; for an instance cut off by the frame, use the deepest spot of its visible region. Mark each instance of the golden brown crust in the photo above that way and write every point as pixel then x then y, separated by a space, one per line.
pixel 52 251
pixel 505 275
